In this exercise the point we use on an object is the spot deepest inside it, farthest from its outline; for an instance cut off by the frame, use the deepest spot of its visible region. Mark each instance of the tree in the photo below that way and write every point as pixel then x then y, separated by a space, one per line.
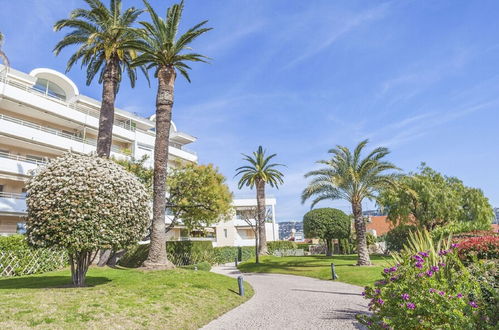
pixel 347 176
pixel 3 56
pixel 327 224
pixel 431 200
pixel 137 167
pixel 83 203
pixel 104 36
pixel 257 174
pixel 167 54
pixel 197 195
pixel 248 215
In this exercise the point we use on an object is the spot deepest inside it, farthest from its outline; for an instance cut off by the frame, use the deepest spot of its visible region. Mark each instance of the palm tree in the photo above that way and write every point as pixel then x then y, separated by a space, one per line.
pixel 167 54
pixel 258 173
pixel 351 178
pixel 3 56
pixel 103 35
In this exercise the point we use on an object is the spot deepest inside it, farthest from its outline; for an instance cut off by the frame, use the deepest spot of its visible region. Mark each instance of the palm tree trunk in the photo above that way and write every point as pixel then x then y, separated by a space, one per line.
pixel 106 117
pixel 360 230
pixel 157 257
pixel 260 204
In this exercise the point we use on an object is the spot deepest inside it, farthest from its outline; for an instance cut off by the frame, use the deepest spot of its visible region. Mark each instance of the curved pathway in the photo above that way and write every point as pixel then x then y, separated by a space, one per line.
pixel 293 302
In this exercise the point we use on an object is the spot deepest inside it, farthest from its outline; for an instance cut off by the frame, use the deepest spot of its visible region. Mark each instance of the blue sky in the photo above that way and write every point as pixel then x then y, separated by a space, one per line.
pixel 299 77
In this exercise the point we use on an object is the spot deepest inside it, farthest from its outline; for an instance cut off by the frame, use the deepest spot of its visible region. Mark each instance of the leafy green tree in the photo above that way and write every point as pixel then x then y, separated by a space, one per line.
pixel 84 204
pixel 137 167
pixel 258 173
pixel 431 200
pixel 348 176
pixel 198 195
pixel 327 224
pixel 3 56
pixel 103 36
pixel 168 54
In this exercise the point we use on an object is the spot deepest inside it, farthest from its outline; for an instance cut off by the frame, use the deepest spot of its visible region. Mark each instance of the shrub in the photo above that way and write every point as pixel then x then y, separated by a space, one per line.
pixel 398 236
pixel 304 246
pixel 281 245
pixel 13 242
pixel 18 258
pixel 427 289
pixel 486 247
pixel 84 203
pixel 180 253
pixel 226 254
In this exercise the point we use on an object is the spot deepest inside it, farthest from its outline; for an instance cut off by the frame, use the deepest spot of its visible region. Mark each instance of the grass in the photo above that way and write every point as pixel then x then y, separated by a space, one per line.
pixel 118 298
pixel 320 267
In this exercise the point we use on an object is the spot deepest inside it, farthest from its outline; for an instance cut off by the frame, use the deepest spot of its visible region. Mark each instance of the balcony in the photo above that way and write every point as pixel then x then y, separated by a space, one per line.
pixel 72 105
pixel 18 164
pixel 205 239
pixel 48 135
pixel 12 203
pixel 244 242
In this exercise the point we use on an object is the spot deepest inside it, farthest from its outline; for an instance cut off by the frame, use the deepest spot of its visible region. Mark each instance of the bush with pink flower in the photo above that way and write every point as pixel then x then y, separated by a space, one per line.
pixel 428 289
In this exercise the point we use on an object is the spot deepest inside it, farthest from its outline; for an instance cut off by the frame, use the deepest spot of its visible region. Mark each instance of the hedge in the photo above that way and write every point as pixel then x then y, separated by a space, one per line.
pixel 225 254
pixel 181 253
pixel 17 258
pixel 281 245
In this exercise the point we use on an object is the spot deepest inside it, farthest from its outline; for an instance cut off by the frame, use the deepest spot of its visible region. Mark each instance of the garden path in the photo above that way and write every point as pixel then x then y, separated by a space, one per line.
pixel 292 302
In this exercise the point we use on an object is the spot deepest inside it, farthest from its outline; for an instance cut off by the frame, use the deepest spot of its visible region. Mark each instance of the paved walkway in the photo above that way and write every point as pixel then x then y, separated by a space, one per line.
pixel 293 302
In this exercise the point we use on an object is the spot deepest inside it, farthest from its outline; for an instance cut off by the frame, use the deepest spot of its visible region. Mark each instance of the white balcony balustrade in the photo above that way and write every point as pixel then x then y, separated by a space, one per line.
pixel 12 202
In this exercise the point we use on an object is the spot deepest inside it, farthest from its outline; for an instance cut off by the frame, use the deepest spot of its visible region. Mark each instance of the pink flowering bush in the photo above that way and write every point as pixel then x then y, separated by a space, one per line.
pixel 429 289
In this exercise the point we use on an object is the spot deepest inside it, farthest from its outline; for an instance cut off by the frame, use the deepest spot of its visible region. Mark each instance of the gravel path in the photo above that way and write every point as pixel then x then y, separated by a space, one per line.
pixel 293 302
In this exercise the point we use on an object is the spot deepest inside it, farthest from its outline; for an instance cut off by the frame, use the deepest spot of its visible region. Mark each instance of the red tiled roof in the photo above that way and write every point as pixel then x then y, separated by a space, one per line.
pixel 380 224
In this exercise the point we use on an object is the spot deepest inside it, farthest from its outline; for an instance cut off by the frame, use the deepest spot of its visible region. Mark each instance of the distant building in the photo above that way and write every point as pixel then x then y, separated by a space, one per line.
pixel 379 225
pixel 373 213
pixel 288 229
pixel 496 212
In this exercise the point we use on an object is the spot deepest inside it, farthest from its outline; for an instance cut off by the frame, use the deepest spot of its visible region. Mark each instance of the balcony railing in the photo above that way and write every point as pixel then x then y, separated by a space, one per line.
pixel 22 158
pixel 4 194
pixel 209 239
pixel 54 131
pixel 73 105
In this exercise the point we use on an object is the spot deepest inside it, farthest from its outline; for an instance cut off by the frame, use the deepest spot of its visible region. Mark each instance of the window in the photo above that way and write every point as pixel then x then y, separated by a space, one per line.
pixel 225 233
pixel 21 228
pixel 1 188
pixel 50 89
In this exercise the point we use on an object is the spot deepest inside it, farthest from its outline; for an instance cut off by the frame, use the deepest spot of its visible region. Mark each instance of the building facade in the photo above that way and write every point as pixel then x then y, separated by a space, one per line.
pixel 42 115
pixel 237 231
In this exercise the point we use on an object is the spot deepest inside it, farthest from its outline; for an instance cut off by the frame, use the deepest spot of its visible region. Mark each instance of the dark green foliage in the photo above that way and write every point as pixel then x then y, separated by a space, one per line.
pixel 13 242
pixel 347 246
pixel 225 254
pixel 204 266
pixel 304 246
pixel 24 260
pixel 179 252
pixel 281 245
pixel 326 223
pixel 398 236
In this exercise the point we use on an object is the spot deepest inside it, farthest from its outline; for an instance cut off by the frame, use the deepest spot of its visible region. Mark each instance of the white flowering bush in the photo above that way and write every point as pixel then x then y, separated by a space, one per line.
pixel 84 203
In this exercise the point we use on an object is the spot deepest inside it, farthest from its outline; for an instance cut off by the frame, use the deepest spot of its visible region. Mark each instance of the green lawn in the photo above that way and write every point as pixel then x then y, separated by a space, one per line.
pixel 320 267
pixel 118 298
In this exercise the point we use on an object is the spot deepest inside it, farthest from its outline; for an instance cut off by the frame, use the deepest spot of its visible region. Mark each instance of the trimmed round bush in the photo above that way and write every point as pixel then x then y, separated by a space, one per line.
pixel 84 203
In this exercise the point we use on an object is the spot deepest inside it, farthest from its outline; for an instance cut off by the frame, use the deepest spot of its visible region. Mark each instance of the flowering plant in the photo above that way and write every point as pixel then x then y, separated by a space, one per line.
pixel 83 203
pixel 485 247
pixel 428 289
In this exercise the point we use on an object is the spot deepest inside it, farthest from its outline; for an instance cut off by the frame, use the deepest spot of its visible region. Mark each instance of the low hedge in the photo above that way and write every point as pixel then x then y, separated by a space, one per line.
pixel 225 254
pixel 18 258
pixel 281 245
pixel 181 253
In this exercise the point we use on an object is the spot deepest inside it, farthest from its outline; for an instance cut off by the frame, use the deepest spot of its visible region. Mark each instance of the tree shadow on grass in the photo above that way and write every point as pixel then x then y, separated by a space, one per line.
pixel 47 282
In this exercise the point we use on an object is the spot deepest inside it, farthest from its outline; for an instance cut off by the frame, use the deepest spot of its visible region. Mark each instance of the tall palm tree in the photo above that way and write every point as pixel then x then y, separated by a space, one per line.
pixel 3 56
pixel 162 50
pixel 257 174
pixel 102 35
pixel 348 176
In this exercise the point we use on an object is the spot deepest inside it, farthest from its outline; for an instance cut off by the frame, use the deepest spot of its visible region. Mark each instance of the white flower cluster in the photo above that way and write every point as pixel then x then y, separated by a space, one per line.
pixel 84 202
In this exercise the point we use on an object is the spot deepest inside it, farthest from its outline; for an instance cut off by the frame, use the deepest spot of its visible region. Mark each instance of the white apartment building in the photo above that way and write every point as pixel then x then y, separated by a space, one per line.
pixel 238 231
pixel 42 115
